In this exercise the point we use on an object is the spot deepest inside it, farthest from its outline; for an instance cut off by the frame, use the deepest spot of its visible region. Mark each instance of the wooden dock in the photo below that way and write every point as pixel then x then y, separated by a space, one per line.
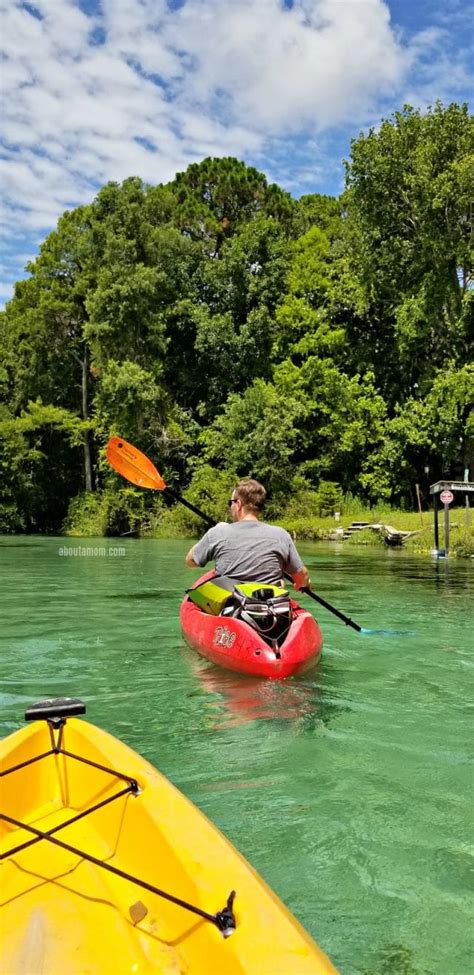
pixel 392 536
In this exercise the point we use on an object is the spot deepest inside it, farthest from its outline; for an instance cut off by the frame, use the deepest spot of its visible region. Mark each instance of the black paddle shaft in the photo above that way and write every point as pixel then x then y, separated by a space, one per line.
pixel 332 609
pixel 178 497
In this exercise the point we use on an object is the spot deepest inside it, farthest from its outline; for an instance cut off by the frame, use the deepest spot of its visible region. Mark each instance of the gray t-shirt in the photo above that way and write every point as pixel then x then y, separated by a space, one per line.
pixel 251 551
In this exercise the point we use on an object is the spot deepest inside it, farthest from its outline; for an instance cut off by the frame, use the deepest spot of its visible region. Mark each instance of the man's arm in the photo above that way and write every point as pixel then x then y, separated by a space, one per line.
pixel 301 579
pixel 190 561
pixel 202 551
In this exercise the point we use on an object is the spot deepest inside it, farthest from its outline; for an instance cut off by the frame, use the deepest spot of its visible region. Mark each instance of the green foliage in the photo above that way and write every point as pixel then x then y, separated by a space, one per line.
pixel 38 466
pixel 308 275
pixel 463 545
pixel 111 512
pixel 329 498
pixel 322 345
pixel 38 416
pixel 86 515
pixel 340 419
pixel 216 196
pixel 255 436
pixel 315 504
pixel 303 528
pixel 128 400
pixel 208 491
pixel 303 499
pixel 431 432
pixel 12 521
pixel 409 204
pixel 365 537
pixel 318 210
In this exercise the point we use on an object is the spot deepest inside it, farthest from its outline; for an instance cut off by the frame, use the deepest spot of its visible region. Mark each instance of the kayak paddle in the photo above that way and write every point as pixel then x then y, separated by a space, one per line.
pixel 136 467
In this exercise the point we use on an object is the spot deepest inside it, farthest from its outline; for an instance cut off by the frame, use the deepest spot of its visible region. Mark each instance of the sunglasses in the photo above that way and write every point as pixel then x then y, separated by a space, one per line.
pixel 232 501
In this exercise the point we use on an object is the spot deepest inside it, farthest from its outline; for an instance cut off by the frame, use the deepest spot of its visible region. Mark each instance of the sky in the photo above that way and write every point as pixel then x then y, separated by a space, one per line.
pixel 99 90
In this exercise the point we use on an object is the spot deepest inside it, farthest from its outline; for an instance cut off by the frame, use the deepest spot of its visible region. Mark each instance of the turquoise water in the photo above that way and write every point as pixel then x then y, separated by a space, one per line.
pixel 348 789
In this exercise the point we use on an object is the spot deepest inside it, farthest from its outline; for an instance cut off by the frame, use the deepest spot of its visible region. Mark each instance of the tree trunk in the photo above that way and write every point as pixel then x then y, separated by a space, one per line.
pixel 85 416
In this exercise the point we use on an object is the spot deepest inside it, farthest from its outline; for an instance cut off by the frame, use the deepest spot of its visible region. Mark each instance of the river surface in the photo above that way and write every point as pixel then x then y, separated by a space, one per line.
pixel 349 789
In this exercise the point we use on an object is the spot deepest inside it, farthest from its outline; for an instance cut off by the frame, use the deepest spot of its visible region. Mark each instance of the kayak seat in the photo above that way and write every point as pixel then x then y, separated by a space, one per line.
pixel 264 607
pixel 264 611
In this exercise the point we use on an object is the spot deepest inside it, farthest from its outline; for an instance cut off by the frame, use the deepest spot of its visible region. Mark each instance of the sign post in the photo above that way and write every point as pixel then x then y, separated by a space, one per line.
pixel 417 486
pixel 468 518
pixel 446 491
pixel 446 497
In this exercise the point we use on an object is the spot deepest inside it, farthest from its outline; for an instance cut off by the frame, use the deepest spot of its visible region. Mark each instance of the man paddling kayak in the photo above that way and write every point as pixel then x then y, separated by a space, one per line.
pixel 249 549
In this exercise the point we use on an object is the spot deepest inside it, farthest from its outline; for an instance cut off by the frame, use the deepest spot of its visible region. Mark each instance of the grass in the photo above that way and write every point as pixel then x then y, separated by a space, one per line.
pixel 320 529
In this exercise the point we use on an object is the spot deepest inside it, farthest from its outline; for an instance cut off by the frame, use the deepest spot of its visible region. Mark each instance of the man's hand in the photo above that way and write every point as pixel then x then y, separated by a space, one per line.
pixel 301 579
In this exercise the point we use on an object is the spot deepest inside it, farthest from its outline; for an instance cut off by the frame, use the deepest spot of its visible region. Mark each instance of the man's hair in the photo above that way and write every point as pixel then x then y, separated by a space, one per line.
pixel 251 494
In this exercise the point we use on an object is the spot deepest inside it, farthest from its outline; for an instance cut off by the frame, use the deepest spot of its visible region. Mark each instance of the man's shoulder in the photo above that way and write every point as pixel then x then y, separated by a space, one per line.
pixel 273 531
pixel 221 528
pixel 248 526
pixel 277 528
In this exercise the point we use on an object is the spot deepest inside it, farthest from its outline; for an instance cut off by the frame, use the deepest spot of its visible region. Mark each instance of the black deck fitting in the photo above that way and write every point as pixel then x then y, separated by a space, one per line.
pixel 59 707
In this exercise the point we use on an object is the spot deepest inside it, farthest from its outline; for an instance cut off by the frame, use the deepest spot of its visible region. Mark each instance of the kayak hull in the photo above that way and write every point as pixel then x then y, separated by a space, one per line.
pixel 66 913
pixel 233 644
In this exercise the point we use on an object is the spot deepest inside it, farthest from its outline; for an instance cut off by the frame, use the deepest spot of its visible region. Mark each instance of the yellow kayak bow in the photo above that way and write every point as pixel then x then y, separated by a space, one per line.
pixel 107 867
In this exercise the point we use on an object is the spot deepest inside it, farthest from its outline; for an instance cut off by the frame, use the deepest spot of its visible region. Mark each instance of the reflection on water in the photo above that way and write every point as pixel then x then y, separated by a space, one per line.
pixel 397 566
pixel 239 700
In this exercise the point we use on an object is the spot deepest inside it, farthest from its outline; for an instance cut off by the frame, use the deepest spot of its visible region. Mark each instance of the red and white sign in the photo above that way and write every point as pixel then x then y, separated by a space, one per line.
pixel 446 497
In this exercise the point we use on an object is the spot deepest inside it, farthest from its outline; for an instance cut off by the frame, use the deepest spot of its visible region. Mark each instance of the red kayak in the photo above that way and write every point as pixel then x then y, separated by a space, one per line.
pixel 236 645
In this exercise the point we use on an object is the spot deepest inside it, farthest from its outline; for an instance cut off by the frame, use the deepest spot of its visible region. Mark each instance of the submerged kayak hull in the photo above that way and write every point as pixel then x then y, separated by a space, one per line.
pixel 233 644
pixel 65 913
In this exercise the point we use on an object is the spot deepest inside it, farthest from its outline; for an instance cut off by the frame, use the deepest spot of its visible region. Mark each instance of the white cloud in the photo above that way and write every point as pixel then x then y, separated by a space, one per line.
pixel 137 88
pixel 281 69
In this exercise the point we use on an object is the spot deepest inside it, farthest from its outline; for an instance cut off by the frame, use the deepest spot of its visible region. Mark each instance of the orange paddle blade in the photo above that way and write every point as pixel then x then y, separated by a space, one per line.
pixel 132 464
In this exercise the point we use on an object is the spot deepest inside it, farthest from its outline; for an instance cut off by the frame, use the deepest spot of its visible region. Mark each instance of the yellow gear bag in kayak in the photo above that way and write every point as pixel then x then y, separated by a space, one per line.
pixel 215 594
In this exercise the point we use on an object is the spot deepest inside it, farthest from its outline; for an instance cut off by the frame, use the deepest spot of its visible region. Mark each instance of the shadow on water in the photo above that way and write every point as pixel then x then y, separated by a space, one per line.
pixel 240 699
pixel 395 959
pixel 157 594
pixel 9 545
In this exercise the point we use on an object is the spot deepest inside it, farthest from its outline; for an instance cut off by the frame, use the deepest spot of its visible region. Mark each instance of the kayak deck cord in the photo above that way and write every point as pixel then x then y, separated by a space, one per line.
pixel 224 919
pixel 57 749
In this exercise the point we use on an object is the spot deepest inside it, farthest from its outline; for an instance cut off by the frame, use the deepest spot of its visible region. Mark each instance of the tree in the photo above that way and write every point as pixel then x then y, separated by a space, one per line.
pixel 215 197
pixel 39 466
pixel 226 326
pixel 220 338
pixel 318 210
pixel 409 231
pixel 305 323
pixel 340 419
pixel 46 348
pixel 255 436
pixel 436 432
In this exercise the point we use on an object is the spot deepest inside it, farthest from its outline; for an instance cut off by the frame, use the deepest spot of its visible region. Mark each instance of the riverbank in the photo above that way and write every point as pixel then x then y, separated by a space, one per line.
pixel 395 529
pixel 140 516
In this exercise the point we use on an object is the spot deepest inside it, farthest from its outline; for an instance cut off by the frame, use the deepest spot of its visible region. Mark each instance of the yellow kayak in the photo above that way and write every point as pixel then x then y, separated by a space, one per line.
pixel 107 867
